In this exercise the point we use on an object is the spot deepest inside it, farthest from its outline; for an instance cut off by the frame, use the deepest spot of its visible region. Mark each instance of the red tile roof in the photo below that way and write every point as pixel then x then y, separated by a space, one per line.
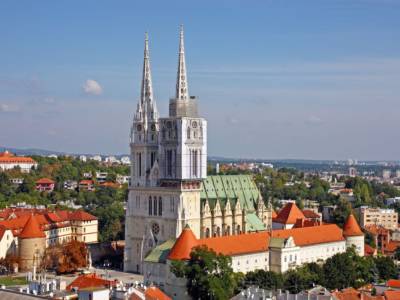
pixel 253 242
pixel 45 181
pixel 90 281
pixel 154 293
pixel 86 182
pixel 351 227
pixel 393 283
pixel 392 295
pixel 32 229
pixel 311 235
pixel 7 157
pixel 369 251
pixel 353 294
pixel 289 214
pixel 310 214
pixel 183 245
pixel 80 215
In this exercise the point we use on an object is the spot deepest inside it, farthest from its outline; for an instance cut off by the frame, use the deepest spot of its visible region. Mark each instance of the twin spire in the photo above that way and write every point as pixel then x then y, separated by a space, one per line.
pixel 147 106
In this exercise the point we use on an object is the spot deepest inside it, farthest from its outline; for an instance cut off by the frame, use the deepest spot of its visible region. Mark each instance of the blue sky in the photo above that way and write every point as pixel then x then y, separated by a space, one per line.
pixel 275 79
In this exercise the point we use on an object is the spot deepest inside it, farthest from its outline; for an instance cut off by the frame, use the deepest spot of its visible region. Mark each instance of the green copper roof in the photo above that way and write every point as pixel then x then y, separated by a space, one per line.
pixel 234 188
pixel 253 223
pixel 159 254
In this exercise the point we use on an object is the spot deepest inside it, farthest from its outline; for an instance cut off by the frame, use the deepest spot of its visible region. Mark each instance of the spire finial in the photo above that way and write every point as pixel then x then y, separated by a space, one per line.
pixel 181 82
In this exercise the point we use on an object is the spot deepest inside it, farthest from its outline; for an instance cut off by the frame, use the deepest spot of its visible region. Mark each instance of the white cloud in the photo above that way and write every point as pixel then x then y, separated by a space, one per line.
pixel 92 87
pixel 313 120
pixel 8 108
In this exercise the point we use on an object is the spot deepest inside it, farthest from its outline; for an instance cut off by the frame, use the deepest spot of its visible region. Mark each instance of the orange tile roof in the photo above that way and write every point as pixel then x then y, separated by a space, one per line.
pixel 238 244
pixel 183 245
pixel 375 229
pixel 154 293
pixel 353 294
pixel 7 157
pixel 44 181
pixel 80 215
pixel 391 295
pixel 90 281
pixel 393 283
pixel 274 214
pixel 32 229
pixel 311 235
pixel 310 214
pixel 306 223
pixel 368 250
pixel 253 242
pixel 289 214
pixel 391 246
pixel 351 227
pixel 86 182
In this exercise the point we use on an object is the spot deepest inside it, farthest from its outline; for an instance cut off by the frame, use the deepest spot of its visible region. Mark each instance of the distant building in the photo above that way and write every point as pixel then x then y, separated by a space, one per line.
pixel 9 161
pixel 17 181
pixel 96 158
pixel 101 176
pixel 86 185
pixel 45 185
pixel 70 185
pixel 121 179
pixel 83 158
pixel 111 160
pixel 387 218
pixel 125 160
pixel 386 174
pixel 352 172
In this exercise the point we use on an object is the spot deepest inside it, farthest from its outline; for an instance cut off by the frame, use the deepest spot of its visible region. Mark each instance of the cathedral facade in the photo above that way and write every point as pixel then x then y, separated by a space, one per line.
pixel 169 186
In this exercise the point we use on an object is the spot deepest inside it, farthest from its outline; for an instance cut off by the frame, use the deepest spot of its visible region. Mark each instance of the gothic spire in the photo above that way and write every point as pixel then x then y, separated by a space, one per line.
pixel 181 81
pixel 147 109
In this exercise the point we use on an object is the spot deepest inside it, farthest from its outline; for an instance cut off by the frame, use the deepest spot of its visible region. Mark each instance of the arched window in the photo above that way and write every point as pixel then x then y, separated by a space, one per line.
pixel 218 231
pixel 228 230
pixel 207 232
pixel 150 206
pixel 155 206
pixel 159 206
pixel 238 229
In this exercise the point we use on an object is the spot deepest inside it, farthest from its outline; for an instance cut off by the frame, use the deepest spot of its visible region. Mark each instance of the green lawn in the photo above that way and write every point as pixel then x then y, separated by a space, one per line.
pixel 8 280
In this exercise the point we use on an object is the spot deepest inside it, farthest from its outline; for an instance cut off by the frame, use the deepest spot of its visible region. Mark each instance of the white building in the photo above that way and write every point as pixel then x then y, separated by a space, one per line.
pixel 83 158
pixel 9 161
pixel 96 158
pixel 111 160
pixel 276 250
pixel 125 160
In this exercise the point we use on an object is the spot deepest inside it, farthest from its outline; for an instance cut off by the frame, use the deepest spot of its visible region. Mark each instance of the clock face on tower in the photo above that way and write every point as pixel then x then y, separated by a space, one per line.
pixel 139 127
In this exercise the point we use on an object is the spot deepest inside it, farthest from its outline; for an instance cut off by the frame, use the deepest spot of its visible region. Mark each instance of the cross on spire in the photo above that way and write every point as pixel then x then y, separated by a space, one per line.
pixel 182 92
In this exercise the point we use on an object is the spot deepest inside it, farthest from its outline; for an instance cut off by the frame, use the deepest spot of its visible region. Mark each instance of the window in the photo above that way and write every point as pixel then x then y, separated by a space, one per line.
pixel 150 206
pixel 155 206
pixel 139 163
pixel 159 206
pixel 188 133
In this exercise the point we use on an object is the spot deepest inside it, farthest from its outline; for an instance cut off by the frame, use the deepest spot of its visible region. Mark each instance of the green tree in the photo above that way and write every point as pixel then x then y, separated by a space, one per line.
pixel 386 268
pixel 264 279
pixel 209 275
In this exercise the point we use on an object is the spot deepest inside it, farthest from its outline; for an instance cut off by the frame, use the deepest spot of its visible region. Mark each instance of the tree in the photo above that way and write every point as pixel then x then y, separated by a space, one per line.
pixel 397 253
pixel 73 257
pixel 264 279
pixel 340 270
pixel 341 212
pixel 209 275
pixel 386 268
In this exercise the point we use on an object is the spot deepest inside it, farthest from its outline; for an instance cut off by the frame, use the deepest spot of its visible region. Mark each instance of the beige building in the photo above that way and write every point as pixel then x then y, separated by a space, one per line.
pixel 27 232
pixel 387 218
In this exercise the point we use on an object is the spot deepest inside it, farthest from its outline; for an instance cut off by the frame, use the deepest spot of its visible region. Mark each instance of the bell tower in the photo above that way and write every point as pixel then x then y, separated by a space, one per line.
pixel 183 135
pixel 144 130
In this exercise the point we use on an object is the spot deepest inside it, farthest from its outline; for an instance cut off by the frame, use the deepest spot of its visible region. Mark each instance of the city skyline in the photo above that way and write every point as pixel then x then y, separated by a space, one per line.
pixel 270 87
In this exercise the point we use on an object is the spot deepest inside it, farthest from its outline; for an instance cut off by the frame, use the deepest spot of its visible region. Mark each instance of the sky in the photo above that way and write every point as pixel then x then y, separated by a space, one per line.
pixel 275 79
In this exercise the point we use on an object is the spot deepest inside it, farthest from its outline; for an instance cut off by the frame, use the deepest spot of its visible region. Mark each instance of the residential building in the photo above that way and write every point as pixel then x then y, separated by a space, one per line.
pixel 101 176
pixel 121 179
pixel 27 232
pixel 70 185
pixel 387 218
pixel 169 185
pixel 86 185
pixel 96 158
pixel 83 158
pixel 17 181
pixel 125 160
pixel 9 161
pixel 45 185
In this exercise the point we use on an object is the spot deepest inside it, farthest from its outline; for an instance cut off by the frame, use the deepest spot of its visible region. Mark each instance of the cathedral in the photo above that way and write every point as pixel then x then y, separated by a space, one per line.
pixel 169 186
